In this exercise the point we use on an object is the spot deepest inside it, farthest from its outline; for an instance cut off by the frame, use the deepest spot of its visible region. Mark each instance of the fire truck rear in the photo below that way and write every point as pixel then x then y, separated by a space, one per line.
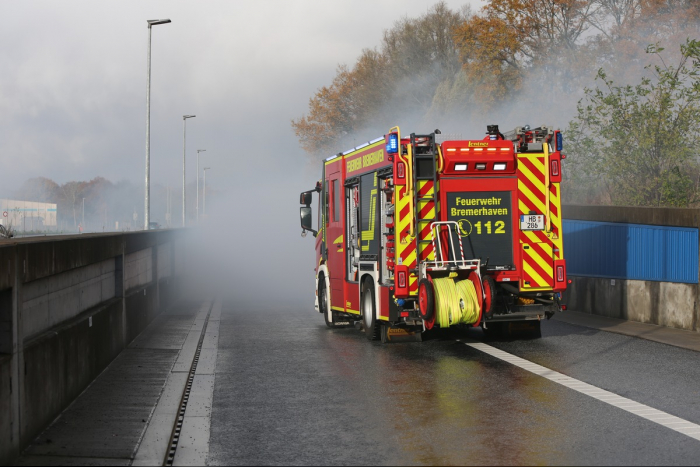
pixel 414 234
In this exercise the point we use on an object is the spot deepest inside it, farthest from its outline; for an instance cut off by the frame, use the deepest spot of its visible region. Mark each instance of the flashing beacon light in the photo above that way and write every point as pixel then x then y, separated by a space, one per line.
pixel 560 141
pixel 392 147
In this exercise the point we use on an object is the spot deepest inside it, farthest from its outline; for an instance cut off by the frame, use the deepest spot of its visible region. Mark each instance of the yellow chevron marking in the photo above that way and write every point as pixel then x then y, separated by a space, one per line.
pixel 534 276
pixel 536 159
pixel 531 196
pixel 521 206
pixel 410 258
pixel 338 240
pixel 544 264
pixel 532 177
pixel 531 236
pixel 413 285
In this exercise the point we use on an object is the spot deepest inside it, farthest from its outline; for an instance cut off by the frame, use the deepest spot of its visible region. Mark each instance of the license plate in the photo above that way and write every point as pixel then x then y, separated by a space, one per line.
pixel 532 222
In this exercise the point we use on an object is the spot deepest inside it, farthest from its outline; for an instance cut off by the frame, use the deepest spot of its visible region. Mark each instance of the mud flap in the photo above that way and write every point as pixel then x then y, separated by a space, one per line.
pixel 395 334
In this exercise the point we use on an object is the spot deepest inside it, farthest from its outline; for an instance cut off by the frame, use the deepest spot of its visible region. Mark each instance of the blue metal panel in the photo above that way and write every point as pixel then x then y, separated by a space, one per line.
pixel 631 251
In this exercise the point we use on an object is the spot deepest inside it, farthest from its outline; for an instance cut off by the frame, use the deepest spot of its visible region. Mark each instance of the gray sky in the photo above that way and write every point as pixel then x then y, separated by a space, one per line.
pixel 72 87
pixel 72 107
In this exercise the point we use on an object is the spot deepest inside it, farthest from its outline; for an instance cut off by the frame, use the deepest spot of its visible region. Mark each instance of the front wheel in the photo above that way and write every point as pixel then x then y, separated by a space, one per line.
pixel 323 301
pixel 369 315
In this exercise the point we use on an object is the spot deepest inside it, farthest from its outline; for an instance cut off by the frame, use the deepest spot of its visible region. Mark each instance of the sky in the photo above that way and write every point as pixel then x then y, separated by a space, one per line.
pixel 73 86
pixel 73 107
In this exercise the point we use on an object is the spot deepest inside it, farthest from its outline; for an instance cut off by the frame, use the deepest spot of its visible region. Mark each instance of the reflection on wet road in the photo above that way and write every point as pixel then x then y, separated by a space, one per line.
pixel 289 390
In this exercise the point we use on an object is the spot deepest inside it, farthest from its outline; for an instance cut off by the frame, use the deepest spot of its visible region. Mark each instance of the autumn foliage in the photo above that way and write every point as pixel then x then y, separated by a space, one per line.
pixel 517 62
pixel 449 64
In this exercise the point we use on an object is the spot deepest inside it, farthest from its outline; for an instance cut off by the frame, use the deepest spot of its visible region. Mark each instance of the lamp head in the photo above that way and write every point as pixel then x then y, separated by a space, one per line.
pixel 153 22
pixel 185 117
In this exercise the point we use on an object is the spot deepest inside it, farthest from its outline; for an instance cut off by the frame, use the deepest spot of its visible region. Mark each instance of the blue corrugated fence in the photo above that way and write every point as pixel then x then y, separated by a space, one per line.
pixel 631 251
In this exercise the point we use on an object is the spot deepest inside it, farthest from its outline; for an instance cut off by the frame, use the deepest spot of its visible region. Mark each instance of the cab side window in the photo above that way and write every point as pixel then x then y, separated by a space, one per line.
pixel 325 204
pixel 336 201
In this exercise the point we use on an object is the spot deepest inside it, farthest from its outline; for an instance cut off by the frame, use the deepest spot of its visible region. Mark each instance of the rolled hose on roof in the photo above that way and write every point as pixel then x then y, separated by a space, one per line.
pixel 455 303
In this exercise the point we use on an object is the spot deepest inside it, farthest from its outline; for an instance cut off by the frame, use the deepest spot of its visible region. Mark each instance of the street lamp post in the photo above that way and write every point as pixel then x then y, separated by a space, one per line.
pixel 147 200
pixel 184 140
pixel 83 213
pixel 198 151
pixel 204 201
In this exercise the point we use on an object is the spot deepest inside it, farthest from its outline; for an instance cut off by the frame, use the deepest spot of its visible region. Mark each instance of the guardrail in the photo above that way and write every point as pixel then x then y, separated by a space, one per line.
pixel 634 263
pixel 68 306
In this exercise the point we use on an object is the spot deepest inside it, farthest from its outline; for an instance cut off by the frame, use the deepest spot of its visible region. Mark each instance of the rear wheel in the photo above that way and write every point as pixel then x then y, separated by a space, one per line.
pixel 426 303
pixel 489 295
pixel 369 315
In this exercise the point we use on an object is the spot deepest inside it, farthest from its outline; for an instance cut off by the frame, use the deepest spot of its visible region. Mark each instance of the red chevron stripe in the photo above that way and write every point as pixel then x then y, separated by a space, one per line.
pixel 404 212
pixel 425 231
pixel 426 209
pixel 536 267
pixel 425 189
pixel 541 252
pixel 531 167
pixel 539 195
pixel 426 253
pixel 553 209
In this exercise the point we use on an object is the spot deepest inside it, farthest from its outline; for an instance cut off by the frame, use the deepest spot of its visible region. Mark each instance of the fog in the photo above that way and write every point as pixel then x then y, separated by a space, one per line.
pixel 72 107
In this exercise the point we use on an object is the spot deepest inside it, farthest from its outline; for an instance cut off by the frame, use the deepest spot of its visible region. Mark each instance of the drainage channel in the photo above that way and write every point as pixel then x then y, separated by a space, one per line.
pixel 177 428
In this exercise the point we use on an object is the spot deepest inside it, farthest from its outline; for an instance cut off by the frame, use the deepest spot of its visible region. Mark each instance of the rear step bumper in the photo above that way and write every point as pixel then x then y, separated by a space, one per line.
pixel 525 312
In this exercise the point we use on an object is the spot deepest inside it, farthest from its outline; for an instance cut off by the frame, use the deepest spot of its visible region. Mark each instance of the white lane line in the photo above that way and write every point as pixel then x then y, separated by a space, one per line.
pixel 657 416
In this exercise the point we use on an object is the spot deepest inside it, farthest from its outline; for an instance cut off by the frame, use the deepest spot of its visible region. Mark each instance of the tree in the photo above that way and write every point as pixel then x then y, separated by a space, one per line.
pixel 510 37
pixel 71 192
pixel 638 144
pixel 39 189
pixel 417 56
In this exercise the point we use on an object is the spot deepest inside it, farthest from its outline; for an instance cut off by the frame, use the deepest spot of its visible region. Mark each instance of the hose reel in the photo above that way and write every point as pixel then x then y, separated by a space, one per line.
pixel 448 301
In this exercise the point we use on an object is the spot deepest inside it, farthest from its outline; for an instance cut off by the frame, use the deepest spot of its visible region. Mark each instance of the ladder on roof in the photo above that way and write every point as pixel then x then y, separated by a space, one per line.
pixel 424 153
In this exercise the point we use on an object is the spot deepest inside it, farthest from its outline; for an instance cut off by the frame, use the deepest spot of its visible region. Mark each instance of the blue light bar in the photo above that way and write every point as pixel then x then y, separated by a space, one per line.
pixel 560 141
pixel 392 146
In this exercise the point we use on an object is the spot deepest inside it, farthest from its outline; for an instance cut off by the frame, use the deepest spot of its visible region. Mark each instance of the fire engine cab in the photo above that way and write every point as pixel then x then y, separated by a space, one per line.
pixel 414 234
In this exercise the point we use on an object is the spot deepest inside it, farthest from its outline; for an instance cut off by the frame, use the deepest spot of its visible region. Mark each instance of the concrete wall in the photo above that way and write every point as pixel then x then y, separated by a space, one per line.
pixel 68 306
pixel 663 303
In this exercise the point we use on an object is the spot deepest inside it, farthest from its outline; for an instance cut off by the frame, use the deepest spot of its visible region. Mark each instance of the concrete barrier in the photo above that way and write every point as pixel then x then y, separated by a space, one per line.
pixel 68 306
pixel 664 303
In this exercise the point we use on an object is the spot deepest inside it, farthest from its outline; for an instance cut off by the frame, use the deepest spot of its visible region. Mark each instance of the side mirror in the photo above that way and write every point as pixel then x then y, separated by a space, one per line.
pixel 305 198
pixel 305 214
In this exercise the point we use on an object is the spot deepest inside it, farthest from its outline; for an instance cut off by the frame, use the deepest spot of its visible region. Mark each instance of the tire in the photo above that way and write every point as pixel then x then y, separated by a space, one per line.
pixel 323 301
pixel 489 295
pixel 535 332
pixel 369 315
pixel 426 300
pixel 494 330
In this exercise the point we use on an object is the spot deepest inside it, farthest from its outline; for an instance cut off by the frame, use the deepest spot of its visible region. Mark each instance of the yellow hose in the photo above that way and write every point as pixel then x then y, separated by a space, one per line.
pixel 446 302
pixel 468 301
pixel 455 303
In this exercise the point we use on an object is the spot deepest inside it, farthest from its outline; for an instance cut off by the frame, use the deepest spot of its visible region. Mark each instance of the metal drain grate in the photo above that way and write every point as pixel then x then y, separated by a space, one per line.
pixel 177 429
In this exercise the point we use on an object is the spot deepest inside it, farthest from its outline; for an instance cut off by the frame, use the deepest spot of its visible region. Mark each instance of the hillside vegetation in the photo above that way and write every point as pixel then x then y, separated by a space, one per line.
pixel 620 77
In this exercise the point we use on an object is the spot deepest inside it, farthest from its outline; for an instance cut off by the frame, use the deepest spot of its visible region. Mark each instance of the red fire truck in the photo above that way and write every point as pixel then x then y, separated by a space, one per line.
pixel 414 234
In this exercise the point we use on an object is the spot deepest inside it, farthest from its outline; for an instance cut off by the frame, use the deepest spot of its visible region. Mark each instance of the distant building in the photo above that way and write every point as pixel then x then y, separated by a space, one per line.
pixel 27 215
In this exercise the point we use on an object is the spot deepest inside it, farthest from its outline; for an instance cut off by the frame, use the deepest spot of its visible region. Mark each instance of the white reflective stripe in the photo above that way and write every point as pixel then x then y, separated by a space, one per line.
pixel 657 416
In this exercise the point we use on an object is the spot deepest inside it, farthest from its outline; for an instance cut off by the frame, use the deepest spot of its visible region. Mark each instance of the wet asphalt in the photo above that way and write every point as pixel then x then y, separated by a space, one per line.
pixel 288 390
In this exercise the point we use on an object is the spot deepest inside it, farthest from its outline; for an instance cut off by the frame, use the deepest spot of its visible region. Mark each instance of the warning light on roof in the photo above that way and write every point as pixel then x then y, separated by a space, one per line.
pixel 560 142
pixel 392 146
